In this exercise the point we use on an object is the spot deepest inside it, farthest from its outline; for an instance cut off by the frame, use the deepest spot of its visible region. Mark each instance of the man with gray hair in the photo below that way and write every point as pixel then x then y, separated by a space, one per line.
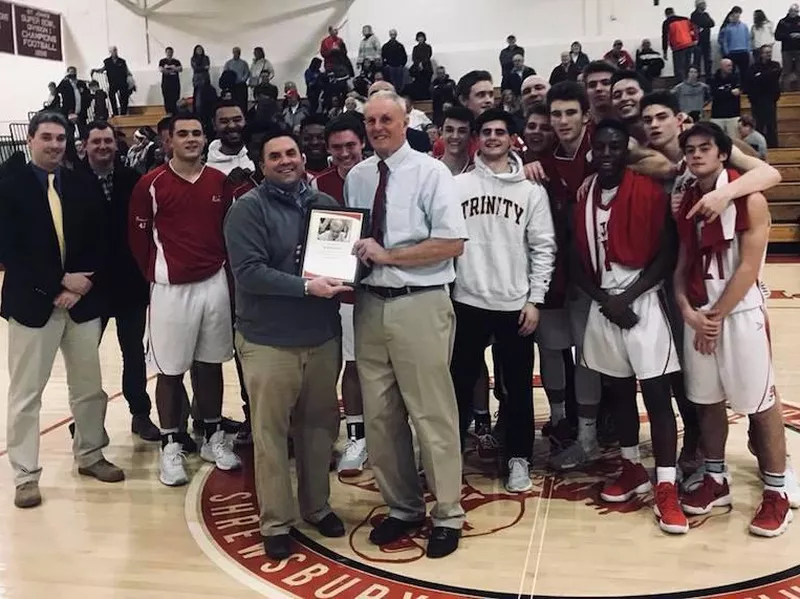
pixel 518 73
pixel 369 49
pixel 395 59
pixel 404 325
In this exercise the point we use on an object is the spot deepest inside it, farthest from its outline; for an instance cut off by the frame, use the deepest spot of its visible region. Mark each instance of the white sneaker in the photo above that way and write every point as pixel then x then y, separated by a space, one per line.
pixel 219 451
pixel 792 486
pixel 574 456
pixel 354 457
pixel 519 478
pixel 171 470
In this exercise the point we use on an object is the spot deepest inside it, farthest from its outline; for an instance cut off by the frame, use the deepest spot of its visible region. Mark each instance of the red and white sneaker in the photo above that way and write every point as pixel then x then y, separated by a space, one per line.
pixel 671 518
pixel 708 495
pixel 632 480
pixel 772 516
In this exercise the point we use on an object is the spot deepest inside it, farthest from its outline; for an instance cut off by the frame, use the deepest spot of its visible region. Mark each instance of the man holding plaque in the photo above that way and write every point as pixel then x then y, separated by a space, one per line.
pixel 404 325
pixel 288 335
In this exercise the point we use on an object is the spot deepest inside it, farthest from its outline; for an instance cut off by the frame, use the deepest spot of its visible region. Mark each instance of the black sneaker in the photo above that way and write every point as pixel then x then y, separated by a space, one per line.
pixel 244 436
pixel 330 526
pixel 443 542
pixel 392 529
pixel 144 427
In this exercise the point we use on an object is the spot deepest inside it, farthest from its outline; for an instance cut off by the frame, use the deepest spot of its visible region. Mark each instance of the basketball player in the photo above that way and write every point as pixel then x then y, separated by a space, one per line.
pixel 475 92
pixel 456 135
pixel 344 138
pixel 627 90
pixel 622 252
pixel 726 344
pixel 538 135
pixel 312 140
pixel 501 279
pixel 176 217
pixel 597 79
pixel 532 91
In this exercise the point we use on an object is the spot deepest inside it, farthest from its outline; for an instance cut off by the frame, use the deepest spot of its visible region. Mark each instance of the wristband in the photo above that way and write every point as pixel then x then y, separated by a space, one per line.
pixel 305 287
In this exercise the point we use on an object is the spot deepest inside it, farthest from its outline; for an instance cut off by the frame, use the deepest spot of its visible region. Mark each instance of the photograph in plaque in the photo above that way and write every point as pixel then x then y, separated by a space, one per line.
pixel 330 236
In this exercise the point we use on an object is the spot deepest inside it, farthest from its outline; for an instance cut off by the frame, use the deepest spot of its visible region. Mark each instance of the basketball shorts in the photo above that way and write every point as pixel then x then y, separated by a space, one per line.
pixel 348 337
pixel 554 330
pixel 645 351
pixel 189 323
pixel 739 370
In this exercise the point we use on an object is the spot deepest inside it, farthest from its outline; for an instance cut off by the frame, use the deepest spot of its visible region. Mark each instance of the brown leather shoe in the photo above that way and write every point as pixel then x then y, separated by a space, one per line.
pixel 27 495
pixel 103 471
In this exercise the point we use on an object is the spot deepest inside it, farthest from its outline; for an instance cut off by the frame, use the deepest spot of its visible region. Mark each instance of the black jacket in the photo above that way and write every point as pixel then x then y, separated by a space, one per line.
pixel 125 286
pixel 67 95
pixel 763 83
pixel 394 54
pixel 785 33
pixel 29 246
pixel 507 55
pixel 704 24
pixel 724 104
pixel 513 81
pixel 559 74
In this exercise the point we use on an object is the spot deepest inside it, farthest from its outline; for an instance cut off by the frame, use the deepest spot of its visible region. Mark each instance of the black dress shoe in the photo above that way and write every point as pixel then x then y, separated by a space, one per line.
pixel 278 547
pixel 330 526
pixel 443 541
pixel 392 529
pixel 142 425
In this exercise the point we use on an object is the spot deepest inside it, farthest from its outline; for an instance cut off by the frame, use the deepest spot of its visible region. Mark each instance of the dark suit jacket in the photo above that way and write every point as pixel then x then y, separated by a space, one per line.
pixel 67 95
pixel 123 283
pixel 513 81
pixel 29 246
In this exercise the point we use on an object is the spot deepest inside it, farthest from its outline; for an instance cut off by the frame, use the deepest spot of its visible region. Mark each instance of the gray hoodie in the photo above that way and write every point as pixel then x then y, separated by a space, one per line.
pixel 262 231
pixel 511 252
pixel 692 97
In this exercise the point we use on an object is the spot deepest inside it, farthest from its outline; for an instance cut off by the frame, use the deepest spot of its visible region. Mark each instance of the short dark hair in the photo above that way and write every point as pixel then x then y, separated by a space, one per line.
pixel 537 108
pixel 461 114
pixel 614 124
pixel 163 124
pixel 566 91
pixel 94 82
pixel 598 66
pixel 497 114
pixel 710 130
pixel 736 9
pixel 747 121
pixel 170 48
pixel 276 132
pixel 635 75
pixel 100 126
pixel 661 98
pixel 345 122
pixel 183 116
pixel 669 12
pixel 467 81
pixel 226 104
pixel 46 116
pixel 316 118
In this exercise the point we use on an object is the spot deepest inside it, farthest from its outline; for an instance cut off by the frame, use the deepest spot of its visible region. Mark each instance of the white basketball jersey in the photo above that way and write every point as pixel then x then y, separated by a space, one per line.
pixel 612 276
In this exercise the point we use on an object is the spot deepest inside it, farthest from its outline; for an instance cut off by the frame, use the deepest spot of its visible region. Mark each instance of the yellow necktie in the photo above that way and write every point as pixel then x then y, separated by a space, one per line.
pixel 55 211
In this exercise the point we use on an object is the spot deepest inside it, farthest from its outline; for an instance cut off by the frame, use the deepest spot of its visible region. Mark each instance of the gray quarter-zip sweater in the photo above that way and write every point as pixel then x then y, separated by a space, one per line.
pixel 262 231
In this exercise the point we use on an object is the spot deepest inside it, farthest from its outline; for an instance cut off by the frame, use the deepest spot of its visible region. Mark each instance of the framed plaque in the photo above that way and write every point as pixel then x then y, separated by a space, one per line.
pixel 328 244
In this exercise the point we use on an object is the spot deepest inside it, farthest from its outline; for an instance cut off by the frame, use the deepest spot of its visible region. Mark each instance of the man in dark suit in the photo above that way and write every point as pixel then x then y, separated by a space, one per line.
pixel 52 243
pixel 519 72
pixel 128 292
pixel 75 99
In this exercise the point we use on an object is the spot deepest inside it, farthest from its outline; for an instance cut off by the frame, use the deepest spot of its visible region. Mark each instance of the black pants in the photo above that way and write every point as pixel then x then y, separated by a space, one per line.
pixel 765 114
pixel 514 354
pixel 741 59
pixel 702 52
pixel 130 332
pixel 239 92
pixel 171 91
pixel 124 94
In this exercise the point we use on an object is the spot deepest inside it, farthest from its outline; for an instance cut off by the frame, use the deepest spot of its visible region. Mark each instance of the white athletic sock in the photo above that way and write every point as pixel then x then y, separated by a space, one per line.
pixel 666 474
pixel 557 412
pixel 354 419
pixel 774 482
pixel 631 454
pixel 587 432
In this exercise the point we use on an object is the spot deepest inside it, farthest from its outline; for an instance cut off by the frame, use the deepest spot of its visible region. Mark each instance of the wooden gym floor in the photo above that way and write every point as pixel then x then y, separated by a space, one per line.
pixel 140 539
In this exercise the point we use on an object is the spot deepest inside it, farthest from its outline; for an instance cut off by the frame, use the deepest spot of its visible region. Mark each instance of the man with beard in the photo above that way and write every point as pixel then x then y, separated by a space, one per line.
pixel 456 134
pixel 312 142
pixel 345 139
pixel 229 150
pixel 533 90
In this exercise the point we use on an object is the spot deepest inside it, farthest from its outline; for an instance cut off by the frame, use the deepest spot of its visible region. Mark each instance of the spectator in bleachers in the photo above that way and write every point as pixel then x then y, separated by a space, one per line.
pixel 98 106
pixel 295 113
pixel 619 56
pixel 508 53
pixel 788 34
pixel 395 58
pixel 201 76
pixel 264 114
pixel 336 107
pixel 763 87
pixel 518 73
pixel 748 134
pixel 261 69
pixel 726 91
pixel 578 57
pixel 692 94
pixel 679 34
pixel 369 49
pixel 704 24
pixel 565 71
pixel 241 70
pixel 421 68
pixel 649 63
pixel 137 158
pixel 315 83
pixel 337 79
pixel 53 102
pixel 170 68
pixel 417 119
pixel 734 40
pixel 74 96
pixel 116 70
pixel 329 44
pixel 762 33
pixel 443 90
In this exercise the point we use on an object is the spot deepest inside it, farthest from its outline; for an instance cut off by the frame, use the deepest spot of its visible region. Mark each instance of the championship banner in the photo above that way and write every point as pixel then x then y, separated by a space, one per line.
pixel 38 33
pixel 6 28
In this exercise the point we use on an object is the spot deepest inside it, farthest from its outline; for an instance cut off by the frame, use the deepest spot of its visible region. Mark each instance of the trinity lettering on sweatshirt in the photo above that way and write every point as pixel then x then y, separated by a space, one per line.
pixel 511 251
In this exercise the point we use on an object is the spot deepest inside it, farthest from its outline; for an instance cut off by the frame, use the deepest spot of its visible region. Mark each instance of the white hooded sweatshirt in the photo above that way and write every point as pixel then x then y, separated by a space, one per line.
pixel 226 162
pixel 510 255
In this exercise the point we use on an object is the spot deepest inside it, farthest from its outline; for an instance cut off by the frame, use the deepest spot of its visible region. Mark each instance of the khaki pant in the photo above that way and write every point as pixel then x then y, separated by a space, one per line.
pixel 31 353
pixel 403 348
pixel 730 126
pixel 294 385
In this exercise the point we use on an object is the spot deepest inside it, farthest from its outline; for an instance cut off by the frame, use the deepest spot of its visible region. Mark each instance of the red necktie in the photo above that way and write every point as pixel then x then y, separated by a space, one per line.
pixel 379 203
